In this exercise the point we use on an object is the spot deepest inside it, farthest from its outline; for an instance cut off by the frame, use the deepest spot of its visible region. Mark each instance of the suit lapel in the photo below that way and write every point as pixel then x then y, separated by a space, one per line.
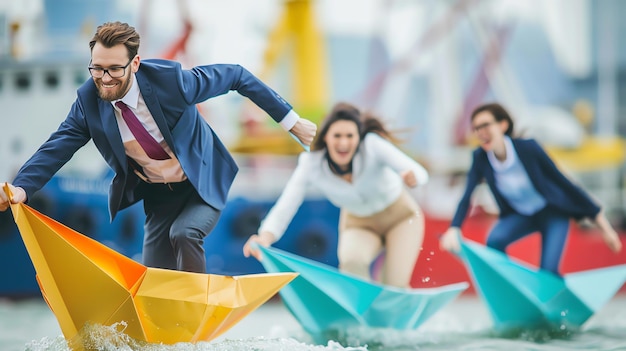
pixel 152 102
pixel 489 173
pixel 526 160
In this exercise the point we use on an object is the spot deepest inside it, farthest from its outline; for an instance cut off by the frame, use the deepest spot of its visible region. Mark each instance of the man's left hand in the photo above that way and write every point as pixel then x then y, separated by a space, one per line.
pixel 304 130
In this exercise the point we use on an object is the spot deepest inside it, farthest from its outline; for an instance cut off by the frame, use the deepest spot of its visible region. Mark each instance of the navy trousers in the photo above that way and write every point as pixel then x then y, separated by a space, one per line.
pixel 551 225
pixel 177 221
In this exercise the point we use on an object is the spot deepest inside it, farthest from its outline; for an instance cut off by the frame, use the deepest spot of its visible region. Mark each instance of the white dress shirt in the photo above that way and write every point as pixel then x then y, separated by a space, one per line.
pixel 513 182
pixel 158 171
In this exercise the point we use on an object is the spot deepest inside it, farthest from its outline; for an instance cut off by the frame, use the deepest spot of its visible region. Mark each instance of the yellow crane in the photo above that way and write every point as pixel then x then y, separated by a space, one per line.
pixel 296 49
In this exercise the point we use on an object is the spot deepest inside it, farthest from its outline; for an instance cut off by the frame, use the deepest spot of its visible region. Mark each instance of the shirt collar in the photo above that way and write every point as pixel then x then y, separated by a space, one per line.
pixel 511 156
pixel 132 96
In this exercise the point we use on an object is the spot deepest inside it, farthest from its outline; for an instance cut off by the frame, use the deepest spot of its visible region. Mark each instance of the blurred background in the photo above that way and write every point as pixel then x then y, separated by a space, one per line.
pixel 422 65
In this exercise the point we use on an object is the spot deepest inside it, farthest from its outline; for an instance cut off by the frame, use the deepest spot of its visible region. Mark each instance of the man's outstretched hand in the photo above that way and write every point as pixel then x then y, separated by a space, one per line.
pixel 304 130
pixel 17 195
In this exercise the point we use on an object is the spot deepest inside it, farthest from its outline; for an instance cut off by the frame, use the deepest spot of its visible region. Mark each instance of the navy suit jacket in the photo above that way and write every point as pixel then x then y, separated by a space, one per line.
pixel 171 94
pixel 556 188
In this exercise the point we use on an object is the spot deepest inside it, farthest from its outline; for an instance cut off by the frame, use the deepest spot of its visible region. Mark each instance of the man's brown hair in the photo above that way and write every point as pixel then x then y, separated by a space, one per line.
pixel 111 34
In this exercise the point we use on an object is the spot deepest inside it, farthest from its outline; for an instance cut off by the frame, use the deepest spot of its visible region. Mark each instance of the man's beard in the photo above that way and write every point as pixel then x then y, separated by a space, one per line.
pixel 110 95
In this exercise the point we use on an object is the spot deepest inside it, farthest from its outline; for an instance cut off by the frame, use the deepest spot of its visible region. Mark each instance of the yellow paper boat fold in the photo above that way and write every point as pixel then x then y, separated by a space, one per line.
pixel 84 281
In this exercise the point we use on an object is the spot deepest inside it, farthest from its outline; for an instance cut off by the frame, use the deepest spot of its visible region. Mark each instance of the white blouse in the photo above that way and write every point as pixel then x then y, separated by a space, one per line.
pixel 375 185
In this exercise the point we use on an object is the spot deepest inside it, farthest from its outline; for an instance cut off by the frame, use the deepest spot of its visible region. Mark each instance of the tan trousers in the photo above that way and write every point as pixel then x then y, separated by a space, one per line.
pixel 399 229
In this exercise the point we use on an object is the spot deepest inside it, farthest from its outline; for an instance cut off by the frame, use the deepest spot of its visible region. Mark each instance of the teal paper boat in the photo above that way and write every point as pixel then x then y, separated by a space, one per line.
pixel 521 297
pixel 322 298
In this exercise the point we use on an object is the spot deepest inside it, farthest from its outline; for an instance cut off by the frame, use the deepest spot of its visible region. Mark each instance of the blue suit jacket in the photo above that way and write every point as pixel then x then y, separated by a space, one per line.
pixel 558 190
pixel 171 94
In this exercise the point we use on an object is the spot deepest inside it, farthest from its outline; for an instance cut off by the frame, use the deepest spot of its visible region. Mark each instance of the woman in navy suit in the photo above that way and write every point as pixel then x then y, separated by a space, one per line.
pixel 531 193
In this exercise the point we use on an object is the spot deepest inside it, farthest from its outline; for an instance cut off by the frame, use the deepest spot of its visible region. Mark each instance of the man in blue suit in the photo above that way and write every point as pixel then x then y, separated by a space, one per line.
pixel 184 183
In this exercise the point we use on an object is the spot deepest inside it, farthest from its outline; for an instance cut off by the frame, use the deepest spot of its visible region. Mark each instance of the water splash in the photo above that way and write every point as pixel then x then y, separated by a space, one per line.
pixel 464 325
pixel 112 338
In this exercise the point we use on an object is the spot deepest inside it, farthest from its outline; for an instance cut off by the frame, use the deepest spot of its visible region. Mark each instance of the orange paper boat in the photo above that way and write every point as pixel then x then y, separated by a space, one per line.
pixel 84 281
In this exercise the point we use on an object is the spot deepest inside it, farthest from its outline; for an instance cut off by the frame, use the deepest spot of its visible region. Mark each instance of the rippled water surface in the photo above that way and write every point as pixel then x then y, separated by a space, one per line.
pixel 462 325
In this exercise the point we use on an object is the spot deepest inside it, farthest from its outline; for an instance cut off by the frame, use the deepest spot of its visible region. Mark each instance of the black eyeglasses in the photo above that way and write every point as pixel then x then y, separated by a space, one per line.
pixel 483 126
pixel 114 72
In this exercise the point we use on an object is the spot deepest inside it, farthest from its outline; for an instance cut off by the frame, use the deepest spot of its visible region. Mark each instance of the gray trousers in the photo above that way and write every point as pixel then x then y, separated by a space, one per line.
pixel 177 221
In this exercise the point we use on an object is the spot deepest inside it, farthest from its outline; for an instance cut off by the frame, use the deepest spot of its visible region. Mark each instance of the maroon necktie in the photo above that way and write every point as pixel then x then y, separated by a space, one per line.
pixel 153 149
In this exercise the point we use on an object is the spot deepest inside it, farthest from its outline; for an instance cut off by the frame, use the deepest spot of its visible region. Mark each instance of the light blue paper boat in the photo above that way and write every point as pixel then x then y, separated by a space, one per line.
pixel 322 298
pixel 521 297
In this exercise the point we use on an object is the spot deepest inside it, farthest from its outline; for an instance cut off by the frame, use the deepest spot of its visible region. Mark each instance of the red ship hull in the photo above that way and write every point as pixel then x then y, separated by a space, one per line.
pixel 585 249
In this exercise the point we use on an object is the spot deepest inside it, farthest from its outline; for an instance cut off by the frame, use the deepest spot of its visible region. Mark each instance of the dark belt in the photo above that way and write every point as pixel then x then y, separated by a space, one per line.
pixel 167 186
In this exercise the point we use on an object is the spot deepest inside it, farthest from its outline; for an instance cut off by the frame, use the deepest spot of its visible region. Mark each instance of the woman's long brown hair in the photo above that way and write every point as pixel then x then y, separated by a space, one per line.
pixel 366 122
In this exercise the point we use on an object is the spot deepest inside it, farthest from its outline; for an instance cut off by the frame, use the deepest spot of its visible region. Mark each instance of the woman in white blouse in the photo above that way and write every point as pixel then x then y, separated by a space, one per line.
pixel 356 166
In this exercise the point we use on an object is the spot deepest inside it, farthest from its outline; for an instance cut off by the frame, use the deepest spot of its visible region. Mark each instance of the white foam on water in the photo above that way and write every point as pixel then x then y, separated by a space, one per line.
pixel 463 325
